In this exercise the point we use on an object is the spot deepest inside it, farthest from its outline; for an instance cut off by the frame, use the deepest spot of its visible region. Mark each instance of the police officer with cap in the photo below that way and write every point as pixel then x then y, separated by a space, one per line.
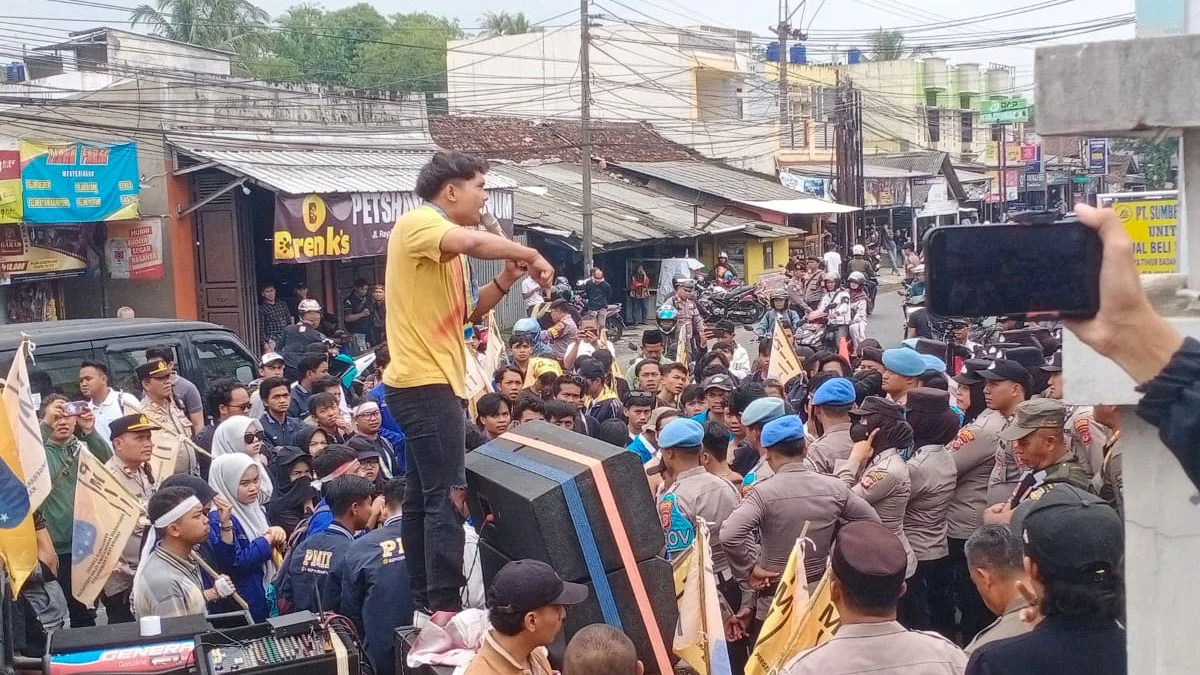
pixel 687 311
pixel 1074 546
pixel 829 417
pixel 759 535
pixel 754 418
pixel 1007 384
pixel 1033 360
pixel 695 494
pixel 1088 437
pixel 867 580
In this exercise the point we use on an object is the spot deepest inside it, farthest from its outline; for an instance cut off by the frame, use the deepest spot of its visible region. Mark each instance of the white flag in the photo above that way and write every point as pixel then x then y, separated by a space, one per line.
pixel 23 418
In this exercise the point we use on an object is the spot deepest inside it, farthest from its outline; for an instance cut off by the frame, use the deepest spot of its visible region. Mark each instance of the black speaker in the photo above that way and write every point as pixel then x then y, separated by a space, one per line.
pixel 660 587
pixel 522 514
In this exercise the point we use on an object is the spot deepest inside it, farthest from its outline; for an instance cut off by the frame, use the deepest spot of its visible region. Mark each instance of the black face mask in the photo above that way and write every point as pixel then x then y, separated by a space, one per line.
pixel 859 431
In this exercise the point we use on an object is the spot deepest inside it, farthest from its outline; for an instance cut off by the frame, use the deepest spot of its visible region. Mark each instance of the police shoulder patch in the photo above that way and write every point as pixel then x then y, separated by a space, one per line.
pixel 1039 491
pixel 965 435
pixel 872 478
pixel 664 510
pixel 1083 430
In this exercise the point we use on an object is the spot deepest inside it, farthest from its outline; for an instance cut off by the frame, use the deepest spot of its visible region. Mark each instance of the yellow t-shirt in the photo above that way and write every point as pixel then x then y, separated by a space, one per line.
pixel 427 304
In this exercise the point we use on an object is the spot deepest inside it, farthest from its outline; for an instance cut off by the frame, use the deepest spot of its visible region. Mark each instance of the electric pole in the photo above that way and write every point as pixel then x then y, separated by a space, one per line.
pixel 585 132
pixel 784 30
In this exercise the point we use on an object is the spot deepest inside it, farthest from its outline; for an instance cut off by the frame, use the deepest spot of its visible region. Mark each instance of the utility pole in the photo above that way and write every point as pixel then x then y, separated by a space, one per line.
pixel 783 30
pixel 585 132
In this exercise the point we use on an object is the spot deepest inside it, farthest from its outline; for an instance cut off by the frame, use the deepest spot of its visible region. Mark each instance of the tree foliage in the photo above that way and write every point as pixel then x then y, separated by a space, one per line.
pixel 889 45
pixel 1155 159
pixel 496 24
pixel 235 25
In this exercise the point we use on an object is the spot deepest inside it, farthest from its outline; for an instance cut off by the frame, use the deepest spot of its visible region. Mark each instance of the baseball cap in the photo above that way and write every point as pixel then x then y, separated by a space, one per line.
pixel 903 361
pixel 969 373
pixel 364 447
pixel 1030 357
pixel 592 370
pixel 1034 414
pixel 872 354
pixel 869 557
pixel 834 391
pixel 786 428
pixel 1003 369
pixel 719 381
pixel 879 406
pixel 128 423
pixel 269 358
pixel 525 585
pixel 657 414
pixel 763 410
pixel 308 305
pixel 1073 533
pixel 681 433
pixel 153 369
pixel 1055 364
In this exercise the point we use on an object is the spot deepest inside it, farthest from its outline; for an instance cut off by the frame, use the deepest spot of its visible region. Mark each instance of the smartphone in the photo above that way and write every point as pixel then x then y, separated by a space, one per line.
pixel 1041 270
pixel 75 408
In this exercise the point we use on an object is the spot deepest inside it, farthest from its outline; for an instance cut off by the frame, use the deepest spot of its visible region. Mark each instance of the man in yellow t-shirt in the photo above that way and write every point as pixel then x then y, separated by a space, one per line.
pixel 429 298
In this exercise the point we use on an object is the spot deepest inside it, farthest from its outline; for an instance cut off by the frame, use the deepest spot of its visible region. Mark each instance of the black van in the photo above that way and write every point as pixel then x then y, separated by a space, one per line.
pixel 203 351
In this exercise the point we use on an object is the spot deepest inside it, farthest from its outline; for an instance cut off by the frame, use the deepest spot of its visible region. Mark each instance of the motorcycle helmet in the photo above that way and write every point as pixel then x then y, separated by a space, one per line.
pixel 857 277
pixel 684 282
pixel 858 249
pixel 723 256
pixel 831 276
pixel 779 294
pixel 667 313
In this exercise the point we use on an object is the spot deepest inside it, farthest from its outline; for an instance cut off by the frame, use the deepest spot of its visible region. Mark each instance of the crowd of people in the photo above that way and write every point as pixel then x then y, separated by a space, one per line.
pixel 970 519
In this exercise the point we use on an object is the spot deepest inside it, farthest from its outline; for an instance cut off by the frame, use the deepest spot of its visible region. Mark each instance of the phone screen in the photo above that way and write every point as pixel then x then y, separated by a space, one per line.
pixel 996 270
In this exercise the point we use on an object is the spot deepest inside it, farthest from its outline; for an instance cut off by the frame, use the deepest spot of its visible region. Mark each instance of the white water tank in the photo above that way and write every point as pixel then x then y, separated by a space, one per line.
pixel 968 78
pixel 936 77
pixel 999 82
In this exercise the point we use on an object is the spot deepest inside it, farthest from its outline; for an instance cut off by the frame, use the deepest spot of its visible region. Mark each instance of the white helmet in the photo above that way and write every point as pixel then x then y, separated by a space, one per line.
pixel 857 277
pixel 858 249
pixel 722 255
pixel 832 276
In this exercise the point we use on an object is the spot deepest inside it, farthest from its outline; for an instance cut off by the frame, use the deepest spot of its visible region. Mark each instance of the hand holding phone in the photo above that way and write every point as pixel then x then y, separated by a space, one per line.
pixel 75 408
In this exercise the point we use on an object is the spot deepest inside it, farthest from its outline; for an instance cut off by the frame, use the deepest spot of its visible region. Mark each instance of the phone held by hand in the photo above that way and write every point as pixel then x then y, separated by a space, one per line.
pixel 1039 269
pixel 75 408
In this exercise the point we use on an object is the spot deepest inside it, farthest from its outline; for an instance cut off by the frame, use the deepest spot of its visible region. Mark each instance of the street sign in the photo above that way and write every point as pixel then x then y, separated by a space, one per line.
pixel 1097 157
pixel 1003 110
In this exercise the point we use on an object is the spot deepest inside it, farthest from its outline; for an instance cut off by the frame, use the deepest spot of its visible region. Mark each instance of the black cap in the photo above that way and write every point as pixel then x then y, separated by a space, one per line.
pixel 525 585
pixel 879 406
pixel 1003 369
pixel 719 381
pixel 868 557
pixel 365 447
pixel 872 354
pixel 1030 357
pixel 1071 532
pixel 969 373
pixel 592 370
pixel 652 336
pixel 1055 364
pixel 1021 337
pixel 932 347
pixel 560 304
pixel 128 423
pixel 200 487
pixel 153 369
pixel 927 399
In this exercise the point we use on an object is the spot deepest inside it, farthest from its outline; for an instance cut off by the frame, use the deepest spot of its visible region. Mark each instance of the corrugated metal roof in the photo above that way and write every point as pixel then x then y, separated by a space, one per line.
pixel 716 180
pixel 922 163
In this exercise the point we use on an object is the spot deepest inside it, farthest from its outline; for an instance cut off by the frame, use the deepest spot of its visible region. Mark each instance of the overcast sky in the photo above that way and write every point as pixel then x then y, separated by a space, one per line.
pixel 843 22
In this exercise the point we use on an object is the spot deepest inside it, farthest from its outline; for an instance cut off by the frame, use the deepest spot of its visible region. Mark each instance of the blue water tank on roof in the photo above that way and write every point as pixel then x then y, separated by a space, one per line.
pixel 797 53
pixel 773 52
pixel 854 56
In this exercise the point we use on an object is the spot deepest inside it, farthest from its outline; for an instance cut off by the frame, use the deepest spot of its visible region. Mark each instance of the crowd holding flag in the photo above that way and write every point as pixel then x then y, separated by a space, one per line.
pixel 18 543
pixel 783 364
pixel 105 517
pixel 700 635
pixel 23 421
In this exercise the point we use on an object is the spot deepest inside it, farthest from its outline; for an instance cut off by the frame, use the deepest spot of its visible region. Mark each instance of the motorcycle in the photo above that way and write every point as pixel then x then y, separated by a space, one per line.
pixel 614 323
pixel 743 305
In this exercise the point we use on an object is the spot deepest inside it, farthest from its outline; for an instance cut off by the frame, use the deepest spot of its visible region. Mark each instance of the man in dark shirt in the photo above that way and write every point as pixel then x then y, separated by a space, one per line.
pixel 296 338
pixel 273 316
pixel 279 427
pixel 919 324
pixel 597 291
pixel 1074 544
pixel 356 313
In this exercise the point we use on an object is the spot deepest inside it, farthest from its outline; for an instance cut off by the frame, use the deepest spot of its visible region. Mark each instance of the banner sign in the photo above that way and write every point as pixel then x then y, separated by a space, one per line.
pixel 79 182
pixel 105 518
pixel 134 249
pixel 316 227
pixel 1003 110
pixel 11 207
pixel 1097 156
pixel 42 249
pixel 1153 226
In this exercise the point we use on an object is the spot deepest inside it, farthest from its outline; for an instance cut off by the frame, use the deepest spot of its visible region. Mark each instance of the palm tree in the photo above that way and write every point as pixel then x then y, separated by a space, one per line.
pixel 235 25
pixel 502 23
pixel 886 45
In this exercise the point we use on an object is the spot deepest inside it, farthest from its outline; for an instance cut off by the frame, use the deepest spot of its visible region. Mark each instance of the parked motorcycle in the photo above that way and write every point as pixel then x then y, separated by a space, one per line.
pixel 744 305
pixel 614 323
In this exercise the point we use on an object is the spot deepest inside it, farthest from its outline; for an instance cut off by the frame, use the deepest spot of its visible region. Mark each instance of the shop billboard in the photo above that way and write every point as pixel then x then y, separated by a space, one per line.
pixel 11 208
pixel 134 249
pixel 1152 223
pixel 34 249
pixel 75 182
pixel 310 228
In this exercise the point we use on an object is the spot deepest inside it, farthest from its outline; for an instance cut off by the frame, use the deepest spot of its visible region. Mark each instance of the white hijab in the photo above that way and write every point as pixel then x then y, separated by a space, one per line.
pixel 229 439
pixel 223 476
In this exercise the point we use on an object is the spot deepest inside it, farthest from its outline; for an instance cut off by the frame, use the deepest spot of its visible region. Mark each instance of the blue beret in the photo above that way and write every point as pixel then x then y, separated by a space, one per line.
pixel 903 361
pixel 786 428
pixel 835 391
pixel 762 410
pixel 934 363
pixel 681 432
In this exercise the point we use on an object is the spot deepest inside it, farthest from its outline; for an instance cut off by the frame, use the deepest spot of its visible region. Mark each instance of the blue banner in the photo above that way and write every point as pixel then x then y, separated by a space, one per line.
pixel 68 182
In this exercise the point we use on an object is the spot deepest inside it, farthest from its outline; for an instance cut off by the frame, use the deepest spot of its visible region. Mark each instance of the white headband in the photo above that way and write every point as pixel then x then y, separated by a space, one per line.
pixel 176 513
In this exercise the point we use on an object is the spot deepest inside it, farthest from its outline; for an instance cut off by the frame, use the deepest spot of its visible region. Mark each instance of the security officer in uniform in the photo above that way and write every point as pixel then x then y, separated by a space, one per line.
pixel 1087 437
pixel 829 417
pixel 754 418
pixel 298 336
pixel 759 535
pixel 876 471
pixel 1112 486
pixel 312 580
pixel 1008 384
pixel 374 576
pixel 867 565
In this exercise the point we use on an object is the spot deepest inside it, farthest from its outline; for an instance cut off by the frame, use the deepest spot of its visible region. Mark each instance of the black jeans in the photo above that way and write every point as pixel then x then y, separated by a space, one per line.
pixel 82 616
pixel 435 450
pixel 928 604
pixel 974 616
pixel 117 607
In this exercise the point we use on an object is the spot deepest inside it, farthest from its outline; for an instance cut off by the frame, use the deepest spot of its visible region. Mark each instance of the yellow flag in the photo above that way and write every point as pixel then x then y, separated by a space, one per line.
pixel 23 420
pixel 796 620
pixel 106 515
pixel 700 633
pixel 783 365
pixel 18 544
pixel 681 351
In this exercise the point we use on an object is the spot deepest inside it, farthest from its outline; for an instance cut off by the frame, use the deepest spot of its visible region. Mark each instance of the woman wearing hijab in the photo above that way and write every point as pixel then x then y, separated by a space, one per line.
pixel 240 434
pixel 933 476
pixel 242 540
pixel 311 440
pixel 294 495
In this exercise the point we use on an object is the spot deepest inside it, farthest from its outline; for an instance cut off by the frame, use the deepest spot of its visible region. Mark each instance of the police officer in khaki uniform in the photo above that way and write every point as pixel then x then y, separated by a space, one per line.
pixel 868 564
pixel 1112 486
pixel 695 494
pixel 754 417
pixel 1008 384
pixel 1087 436
pixel 760 533
pixel 876 471
pixel 829 417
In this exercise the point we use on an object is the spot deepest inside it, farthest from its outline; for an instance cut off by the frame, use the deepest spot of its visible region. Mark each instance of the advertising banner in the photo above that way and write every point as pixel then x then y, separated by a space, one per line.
pixel 134 249
pixel 79 182
pixel 1097 156
pixel 11 207
pixel 1152 225
pixel 43 249
pixel 1004 110
pixel 105 518
pixel 316 227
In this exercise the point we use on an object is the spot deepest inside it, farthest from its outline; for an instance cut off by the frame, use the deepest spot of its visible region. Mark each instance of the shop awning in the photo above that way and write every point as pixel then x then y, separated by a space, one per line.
pixel 809 206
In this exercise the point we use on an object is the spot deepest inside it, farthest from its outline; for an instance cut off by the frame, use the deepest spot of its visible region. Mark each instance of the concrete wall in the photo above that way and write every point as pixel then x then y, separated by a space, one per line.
pixel 143 51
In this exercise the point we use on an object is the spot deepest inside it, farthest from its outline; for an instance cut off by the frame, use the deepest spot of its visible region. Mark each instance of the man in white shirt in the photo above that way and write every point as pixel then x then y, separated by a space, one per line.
pixel 106 402
pixel 833 259
pixel 531 293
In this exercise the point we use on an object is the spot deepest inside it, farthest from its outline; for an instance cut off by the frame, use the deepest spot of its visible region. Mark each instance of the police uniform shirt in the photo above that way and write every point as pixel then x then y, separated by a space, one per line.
pixel 375 593
pixel 1036 483
pixel 1009 624
pixel 1112 487
pixel 885 485
pixel 884 647
pixel 974 453
pixel 1006 473
pixel 933 476
pixel 761 471
pixel 697 494
pixel 1087 439
pixel 311 583
pixel 832 447
pixel 763 528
